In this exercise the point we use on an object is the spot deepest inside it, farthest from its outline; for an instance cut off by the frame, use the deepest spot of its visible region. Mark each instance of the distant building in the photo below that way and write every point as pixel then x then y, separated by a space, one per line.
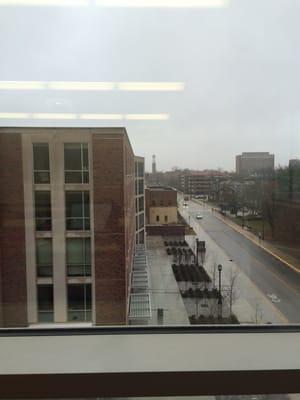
pixel 252 163
pixel 161 205
pixel 295 163
pixel 200 182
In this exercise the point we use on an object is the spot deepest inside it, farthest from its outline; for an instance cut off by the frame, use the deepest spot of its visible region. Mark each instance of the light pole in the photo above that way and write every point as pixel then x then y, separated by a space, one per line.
pixel 197 251
pixel 220 295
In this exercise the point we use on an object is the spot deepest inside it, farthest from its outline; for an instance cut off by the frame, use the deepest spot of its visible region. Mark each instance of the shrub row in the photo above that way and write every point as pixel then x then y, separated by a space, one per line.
pixel 175 243
pixel 190 273
pixel 201 294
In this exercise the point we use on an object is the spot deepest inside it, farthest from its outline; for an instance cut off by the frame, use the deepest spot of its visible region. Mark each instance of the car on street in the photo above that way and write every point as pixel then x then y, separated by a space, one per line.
pixel 184 204
pixel 199 216
pixel 273 297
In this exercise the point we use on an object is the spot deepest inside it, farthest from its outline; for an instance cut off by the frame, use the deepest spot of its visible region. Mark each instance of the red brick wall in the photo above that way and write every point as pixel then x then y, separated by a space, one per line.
pixel 112 206
pixel 12 233
pixel 161 198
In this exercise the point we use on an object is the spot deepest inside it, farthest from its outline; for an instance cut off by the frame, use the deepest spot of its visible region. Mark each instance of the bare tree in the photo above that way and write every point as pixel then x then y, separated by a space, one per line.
pixel 258 316
pixel 233 292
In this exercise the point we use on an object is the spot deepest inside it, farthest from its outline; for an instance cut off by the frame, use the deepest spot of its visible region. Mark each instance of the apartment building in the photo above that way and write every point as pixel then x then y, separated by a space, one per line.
pixel 254 162
pixel 67 212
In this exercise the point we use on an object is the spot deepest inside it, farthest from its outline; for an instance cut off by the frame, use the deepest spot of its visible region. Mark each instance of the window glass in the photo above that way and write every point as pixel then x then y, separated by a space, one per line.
pixel 78 256
pixel 42 210
pixel 44 257
pixel 76 163
pixel 41 163
pixel 79 302
pixel 45 303
pixel 77 210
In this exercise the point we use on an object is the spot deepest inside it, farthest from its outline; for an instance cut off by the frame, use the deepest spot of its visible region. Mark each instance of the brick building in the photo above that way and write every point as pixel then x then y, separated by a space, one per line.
pixel 67 214
pixel 161 205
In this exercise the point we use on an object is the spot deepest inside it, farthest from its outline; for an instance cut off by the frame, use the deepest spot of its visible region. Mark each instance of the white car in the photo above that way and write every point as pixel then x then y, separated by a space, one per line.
pixel 184 204
pixel 273 298
pixel 199 216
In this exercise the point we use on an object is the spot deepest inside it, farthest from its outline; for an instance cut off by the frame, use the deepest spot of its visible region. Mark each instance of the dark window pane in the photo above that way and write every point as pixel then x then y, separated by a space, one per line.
pixel 45 303
pixel 42 210
pixel 76 163
pixel 41 156
pixel 74 204
pixel 41 177
pixel 86 204
pixel 85 177
pixel 44 257
pixel 79 302
pixel 73 177
pixel 85 157
pixel 79 257
pixel 73 156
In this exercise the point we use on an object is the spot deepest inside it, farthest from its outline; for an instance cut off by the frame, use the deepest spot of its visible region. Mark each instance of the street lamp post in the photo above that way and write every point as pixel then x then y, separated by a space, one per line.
pixel 220 295
pixel 197 251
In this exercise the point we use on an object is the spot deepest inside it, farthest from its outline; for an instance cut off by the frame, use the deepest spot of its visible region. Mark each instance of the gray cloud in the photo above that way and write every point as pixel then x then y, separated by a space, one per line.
pixel 240 66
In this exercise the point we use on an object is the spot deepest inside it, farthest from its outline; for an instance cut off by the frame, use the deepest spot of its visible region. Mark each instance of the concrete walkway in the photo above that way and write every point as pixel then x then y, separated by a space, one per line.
pixel 163 286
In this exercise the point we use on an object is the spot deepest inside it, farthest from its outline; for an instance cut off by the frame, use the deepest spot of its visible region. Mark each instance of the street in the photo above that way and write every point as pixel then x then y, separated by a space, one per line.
pixel 268 275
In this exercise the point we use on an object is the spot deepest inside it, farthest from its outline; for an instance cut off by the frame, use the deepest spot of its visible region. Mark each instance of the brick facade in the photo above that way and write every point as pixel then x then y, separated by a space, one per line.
pixel 112 222
pixel 12 234
pixel 113 175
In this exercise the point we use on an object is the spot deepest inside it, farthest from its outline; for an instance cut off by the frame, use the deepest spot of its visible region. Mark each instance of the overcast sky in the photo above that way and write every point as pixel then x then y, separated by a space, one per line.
pixel 240 65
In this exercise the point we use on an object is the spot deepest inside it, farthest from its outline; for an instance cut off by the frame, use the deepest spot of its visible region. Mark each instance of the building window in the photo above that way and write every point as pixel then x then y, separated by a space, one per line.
pixel 80 302
pixel 140 169
pixel 44 256
pixel 141 203
pixel 157 218
pixel 141 186
pixel 41 165
pixel 166 218
pixel 141 220
pixel 77 211
pixel 79 257
pixel 161 203
pixel 42 201
pixel 76 163
pixel 153 203
pixel 45 303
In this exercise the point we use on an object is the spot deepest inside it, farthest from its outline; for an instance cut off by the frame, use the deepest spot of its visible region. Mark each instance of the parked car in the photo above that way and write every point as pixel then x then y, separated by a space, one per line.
pixel 199 216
